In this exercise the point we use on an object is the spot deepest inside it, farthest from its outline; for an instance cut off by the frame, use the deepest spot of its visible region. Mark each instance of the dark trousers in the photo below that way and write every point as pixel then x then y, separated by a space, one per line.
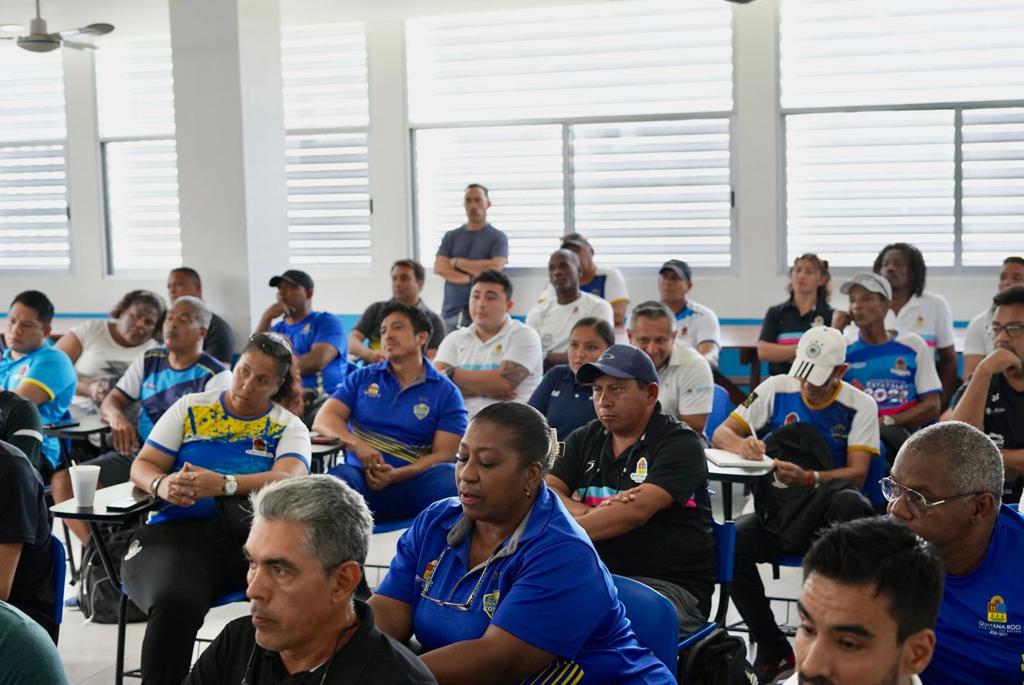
pixel 180 569
pixel 756 544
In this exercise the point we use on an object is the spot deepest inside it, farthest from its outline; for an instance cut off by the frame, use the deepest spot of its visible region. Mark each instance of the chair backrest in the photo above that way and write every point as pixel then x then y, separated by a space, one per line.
pixel 878 468
pixel 725 555
pixel 653 618
pixel 721 407
pixel 60 561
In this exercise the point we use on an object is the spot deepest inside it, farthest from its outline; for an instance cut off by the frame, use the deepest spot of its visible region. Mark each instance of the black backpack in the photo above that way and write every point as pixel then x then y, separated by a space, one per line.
pixel 98 597
pixel 720 659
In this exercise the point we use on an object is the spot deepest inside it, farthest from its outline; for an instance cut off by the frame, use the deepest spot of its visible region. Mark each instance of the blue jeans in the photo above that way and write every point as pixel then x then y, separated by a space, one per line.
pixel 402 500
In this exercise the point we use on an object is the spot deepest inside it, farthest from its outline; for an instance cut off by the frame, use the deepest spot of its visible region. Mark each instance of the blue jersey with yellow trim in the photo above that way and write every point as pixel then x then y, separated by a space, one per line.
pixel 546 585
pixel 596 285
pixel 400 422
pixel 200 430
pixel 980 631
pixel 319 327
pixel 894 373
pixel 50 369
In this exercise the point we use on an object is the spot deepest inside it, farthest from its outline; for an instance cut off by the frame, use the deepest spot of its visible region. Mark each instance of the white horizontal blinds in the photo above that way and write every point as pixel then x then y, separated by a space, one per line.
pixel 647 191
pixel 522 168
pixel 603 59
pixel 857 181
pixel 324 76
pixel 881 52
pixel 34 227
pixel 326 111
pixel 993 185
pixel 328 199
pixel 135 99
pixel 142 205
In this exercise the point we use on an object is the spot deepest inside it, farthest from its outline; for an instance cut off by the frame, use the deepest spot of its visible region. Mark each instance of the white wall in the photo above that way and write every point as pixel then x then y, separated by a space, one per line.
pixel 753 285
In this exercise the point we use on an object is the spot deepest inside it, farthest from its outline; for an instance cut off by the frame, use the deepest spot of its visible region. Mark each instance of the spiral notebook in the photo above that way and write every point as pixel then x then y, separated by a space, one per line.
pixel 723 458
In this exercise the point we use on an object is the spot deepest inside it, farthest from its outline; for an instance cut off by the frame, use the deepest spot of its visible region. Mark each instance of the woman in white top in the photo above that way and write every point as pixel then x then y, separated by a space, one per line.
pixel 102 350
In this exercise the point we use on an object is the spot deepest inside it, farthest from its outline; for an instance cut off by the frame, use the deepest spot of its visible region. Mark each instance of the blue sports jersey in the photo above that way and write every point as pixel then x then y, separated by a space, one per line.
pixel 156 385
pixel 596 285
pixel 546 585
pixel 319 327
pixel 400 423
pixel 200 430
pixel 895 373
pixel 979 636
pixel 50 369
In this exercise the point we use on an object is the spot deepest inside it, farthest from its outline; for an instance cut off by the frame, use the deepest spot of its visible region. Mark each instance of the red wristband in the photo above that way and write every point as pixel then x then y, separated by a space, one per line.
pixel 810 479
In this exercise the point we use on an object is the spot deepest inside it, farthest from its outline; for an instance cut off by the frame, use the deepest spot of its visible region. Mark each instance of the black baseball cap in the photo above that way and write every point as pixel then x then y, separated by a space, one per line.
pixel 576 240
pixel 295 277
pixel 678 267
pixel 620 361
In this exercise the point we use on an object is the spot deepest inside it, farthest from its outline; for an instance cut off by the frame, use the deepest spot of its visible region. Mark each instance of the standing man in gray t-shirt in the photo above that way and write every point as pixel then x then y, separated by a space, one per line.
pixel 465 252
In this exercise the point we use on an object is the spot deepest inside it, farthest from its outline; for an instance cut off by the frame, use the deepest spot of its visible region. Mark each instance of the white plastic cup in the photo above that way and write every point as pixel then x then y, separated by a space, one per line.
pixel 83 483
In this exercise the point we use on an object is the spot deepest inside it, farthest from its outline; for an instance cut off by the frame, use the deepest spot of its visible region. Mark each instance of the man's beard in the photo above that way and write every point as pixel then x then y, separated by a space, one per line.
pixel 891 678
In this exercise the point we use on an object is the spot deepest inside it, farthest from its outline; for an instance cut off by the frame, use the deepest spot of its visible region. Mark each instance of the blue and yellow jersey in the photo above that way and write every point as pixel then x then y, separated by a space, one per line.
pixel 895 373
pixel 200 430
pixel 545 585
pixel 319 327
pixel 400 422
pixel 51 370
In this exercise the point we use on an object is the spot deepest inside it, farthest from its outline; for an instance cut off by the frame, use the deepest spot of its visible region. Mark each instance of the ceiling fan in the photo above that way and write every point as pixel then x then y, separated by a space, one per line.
pixel 40 40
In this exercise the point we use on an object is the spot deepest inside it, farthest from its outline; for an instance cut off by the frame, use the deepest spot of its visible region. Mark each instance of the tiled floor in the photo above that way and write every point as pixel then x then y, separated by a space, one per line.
pixel 88 649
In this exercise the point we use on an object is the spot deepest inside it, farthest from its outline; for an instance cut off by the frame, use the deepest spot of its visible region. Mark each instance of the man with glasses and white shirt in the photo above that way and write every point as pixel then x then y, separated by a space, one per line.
pixel 945 485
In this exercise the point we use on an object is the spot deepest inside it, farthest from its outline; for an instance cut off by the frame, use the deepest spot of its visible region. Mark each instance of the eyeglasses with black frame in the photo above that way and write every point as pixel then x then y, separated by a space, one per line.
pixel 273 344
pixel 1013 330
pixel 917 504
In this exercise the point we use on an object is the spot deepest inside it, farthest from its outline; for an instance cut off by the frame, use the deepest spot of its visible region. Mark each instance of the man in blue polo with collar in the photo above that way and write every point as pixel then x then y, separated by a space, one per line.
pixel 636 481
pixel 401 422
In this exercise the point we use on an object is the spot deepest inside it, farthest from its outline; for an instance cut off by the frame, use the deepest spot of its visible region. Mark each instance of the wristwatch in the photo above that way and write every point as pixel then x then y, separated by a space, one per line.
pixel 230 485
pixel 450 371
pixel 888 420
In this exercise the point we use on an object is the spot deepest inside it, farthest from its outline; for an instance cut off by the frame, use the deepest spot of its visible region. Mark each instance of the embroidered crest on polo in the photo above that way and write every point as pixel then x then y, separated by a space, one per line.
pixel 818 321
pixel 373 390
pixel 490 603
pixel 421 410
pixel 639 474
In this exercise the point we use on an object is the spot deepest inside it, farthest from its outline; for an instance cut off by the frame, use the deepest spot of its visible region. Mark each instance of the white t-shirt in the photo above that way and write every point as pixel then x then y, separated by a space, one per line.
pixel 553 322
pixel 697 324
pixel 608 282
pixel 686 385
pixel 515 342
pixel 977 340
pixel 101 357
pixel 929 316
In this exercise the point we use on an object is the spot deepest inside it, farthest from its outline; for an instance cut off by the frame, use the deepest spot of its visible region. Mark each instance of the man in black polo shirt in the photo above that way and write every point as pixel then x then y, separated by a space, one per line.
pixel 993 399
pixel 26 560
pixel 637 482
pixel 306 548
pixel 21 426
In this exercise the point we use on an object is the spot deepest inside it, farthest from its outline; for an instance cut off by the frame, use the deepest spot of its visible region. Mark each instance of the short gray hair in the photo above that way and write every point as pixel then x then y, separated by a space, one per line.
pixel 651 309
pixel 973 463
pixel 336 521
pixel 203 313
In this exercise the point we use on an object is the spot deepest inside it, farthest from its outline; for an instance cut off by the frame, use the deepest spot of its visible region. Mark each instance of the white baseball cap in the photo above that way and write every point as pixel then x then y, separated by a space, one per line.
pixel 871 282
pixel 820 350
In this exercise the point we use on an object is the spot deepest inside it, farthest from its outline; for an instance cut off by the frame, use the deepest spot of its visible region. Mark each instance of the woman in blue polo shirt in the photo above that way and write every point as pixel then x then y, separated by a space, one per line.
pixel 500 581
pixel 566 404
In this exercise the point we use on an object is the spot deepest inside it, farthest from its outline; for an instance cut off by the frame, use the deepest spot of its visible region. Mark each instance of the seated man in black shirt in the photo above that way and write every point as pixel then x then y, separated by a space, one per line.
pixel 306 548
pixel 993 399
pixel 637 482
pixel 21 426
pixel 26 560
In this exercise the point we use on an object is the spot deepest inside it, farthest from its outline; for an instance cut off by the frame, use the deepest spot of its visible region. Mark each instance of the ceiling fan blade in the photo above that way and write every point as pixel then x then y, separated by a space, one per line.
pixel 77 45
pixel 90 30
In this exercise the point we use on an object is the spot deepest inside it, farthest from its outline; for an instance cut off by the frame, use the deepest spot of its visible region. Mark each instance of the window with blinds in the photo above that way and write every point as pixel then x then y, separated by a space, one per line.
pixel 541 106
pixel 135 99
pixel 326 111
pixel 34 226
pixel 904 122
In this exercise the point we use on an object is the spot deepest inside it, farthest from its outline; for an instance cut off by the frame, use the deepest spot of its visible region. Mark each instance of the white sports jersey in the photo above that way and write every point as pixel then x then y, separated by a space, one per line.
pixel 553 322
pixel 685 384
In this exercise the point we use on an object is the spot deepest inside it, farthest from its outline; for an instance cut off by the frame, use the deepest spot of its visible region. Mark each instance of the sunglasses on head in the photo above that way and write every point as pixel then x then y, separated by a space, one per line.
pixel 273 344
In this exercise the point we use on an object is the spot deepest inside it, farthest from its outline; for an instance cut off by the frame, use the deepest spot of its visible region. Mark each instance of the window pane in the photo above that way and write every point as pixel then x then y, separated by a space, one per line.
pixel 328 199
pixel 135 88
pixel 324 75
pixel 32 105
pixel 607 59
pixel 993 185
pixel 522 168
pixel 856 181
pixel 863 52
pixel 649 190
pixel 33 208
pixel 142 205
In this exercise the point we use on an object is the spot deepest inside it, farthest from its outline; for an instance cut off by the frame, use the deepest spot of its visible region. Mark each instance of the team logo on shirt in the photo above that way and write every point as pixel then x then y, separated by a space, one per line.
pixel 920 322
pixel 428 572
pixel 818 321
pixel 305 329
pixel 498 349
pixel 259 447
pixel 751 398
pixel 639 474
pixel 683 331
pixel 997 610
pixel 840 431
pixel 421 410
pixel 490 603
pixel 791 418
pixel 373 390
pixel 899 367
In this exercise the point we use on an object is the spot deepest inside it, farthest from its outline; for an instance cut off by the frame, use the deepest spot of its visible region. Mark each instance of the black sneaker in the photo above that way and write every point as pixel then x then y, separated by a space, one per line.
pixel 774 665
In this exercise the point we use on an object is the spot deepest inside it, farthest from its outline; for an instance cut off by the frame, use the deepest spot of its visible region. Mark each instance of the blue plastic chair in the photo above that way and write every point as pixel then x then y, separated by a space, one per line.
pixel 725 555
pixel 721 407
pixel 653 618
pixel 60 561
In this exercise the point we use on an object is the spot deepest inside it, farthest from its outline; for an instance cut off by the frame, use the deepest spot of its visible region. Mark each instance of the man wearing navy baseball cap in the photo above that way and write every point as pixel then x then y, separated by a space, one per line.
pixel 637 481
